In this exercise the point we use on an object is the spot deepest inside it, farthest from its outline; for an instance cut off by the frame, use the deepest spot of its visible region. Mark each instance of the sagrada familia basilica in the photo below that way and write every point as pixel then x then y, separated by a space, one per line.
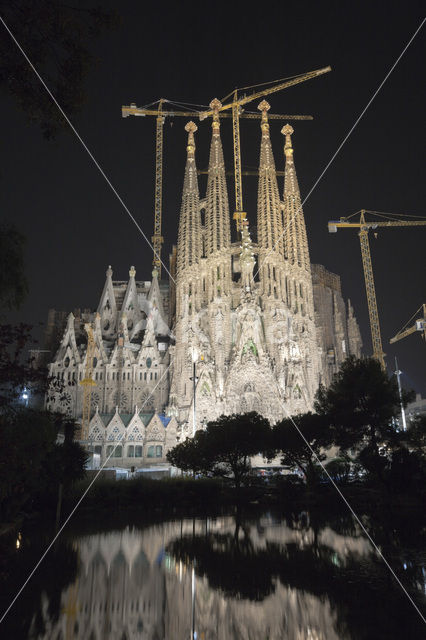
pixel 251 325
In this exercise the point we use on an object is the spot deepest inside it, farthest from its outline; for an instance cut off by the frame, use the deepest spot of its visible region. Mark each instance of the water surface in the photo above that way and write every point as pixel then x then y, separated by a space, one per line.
pixel 263 577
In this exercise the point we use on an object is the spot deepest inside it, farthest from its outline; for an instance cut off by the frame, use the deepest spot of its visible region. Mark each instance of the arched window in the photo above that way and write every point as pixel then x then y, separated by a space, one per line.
pixel 114 451
pixel 138 451
pixel 130 451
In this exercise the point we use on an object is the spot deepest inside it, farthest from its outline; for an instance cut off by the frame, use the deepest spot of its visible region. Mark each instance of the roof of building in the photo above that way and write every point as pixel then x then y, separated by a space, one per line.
pixel 164 419
pixel 146 417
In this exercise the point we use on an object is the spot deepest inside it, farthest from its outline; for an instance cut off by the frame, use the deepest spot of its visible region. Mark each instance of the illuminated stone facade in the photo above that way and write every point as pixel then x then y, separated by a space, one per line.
pixel 245 311
pixel 262 324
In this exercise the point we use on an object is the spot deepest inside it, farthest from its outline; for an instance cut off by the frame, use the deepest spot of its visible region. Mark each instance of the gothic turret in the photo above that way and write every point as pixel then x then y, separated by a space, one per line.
pixel 218 234
pixel 217 275
pixel 189 238
pixel 269 217
pixel 295 240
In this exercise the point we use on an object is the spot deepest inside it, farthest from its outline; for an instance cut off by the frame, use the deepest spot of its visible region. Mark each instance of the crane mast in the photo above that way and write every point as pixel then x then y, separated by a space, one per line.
pixel 239 215
pixel 157 238
pixel 364 226
pixel 376 336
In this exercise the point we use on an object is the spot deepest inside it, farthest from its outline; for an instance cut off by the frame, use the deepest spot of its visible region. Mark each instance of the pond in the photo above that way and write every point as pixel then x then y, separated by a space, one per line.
pixel 257 576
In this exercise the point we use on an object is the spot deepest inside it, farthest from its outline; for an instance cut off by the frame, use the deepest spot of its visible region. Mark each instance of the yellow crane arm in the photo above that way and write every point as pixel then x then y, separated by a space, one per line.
pixel 266 92
pixel 133 110
pixel 419 325
pixel 333 225
pixel 402 334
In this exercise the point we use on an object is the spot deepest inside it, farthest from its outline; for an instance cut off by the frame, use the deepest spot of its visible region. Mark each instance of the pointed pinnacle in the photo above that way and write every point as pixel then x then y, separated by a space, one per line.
pixel 191 128
pixel 264 106
pixel 287 130
pixel 215 105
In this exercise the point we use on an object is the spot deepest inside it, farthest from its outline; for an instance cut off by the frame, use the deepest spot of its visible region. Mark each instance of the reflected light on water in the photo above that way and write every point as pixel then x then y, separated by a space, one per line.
pixel 222 580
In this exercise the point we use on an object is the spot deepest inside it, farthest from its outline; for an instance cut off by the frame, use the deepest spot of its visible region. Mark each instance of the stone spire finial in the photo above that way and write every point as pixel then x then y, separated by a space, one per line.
pixel 269 216
pixel 191 128
pixel 264 108
pixel 295 241
pixel 189 235
pixel 287 131
pixel 215 105
pixel 132 272
pixel 109 272
pixel 217 223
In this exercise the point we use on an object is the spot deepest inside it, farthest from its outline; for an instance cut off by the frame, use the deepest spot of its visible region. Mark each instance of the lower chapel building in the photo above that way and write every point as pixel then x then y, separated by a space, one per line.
pixel 263 325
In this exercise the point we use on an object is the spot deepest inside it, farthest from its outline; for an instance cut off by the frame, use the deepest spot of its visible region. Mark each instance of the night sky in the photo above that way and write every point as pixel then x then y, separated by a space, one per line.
pixel 192 53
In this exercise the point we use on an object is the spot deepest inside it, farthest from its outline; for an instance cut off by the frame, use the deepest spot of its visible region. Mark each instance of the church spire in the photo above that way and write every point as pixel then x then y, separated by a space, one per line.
pixel 218 234
pixel 189 238
pixel 295 239
pixel 269 218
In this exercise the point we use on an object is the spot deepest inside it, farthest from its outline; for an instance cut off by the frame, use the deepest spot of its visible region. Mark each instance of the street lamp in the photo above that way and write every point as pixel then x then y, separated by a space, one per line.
pixel 398 377
pixel 25 395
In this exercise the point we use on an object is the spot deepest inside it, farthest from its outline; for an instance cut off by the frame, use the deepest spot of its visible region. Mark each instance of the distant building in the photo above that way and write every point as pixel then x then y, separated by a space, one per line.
pixel 416 408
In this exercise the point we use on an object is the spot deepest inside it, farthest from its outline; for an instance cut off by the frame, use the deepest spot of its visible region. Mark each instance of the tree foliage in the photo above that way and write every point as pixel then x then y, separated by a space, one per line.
pixel 359 406
pixel 56 37
pixel 303 453
pixel 225 447
pixel 32 462
pixel 13 283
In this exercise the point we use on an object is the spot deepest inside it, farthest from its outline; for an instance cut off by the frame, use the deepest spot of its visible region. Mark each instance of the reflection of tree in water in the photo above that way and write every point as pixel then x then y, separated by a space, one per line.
pixel 40 601
pixel 366 598
pixel 231 566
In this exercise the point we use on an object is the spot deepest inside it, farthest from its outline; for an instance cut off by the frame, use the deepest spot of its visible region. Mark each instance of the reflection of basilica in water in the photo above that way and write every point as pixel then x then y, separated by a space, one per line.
pixel 129 587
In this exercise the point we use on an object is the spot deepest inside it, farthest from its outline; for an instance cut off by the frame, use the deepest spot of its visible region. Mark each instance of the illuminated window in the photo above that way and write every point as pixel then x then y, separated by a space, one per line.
pixel 155 451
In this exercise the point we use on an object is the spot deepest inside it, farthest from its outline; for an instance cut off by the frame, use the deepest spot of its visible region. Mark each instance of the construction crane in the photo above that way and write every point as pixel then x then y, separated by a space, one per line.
pixel 160 114
pixel 235 105
pixel 364 226
pixel 419 325
pixel 88 383
pixel 248 172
